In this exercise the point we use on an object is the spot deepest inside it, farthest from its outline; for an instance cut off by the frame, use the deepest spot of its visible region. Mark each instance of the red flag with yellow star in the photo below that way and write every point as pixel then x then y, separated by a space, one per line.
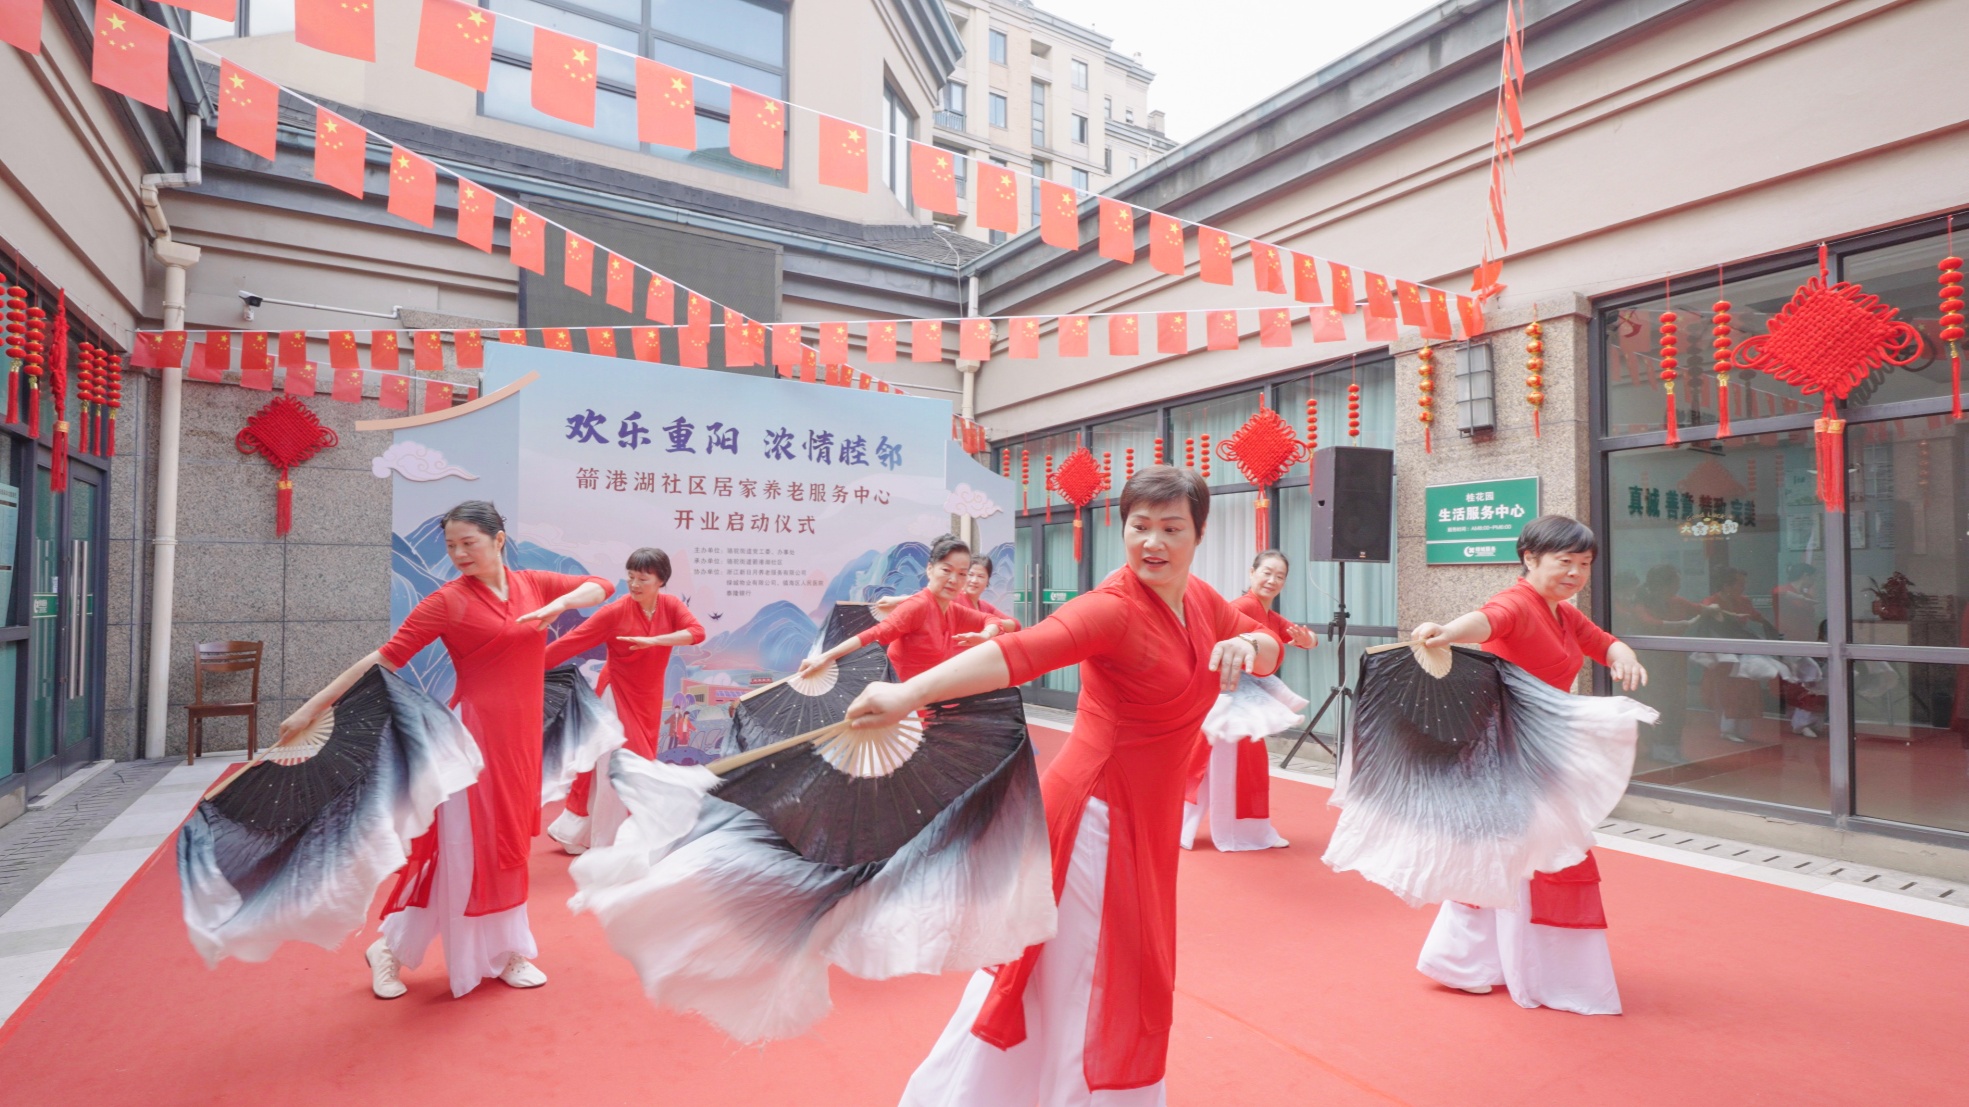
pixel 129 55
pixel 1376 328
pixel 1306 279
pixel 395 394
pixel 339 152
pixel 694 348
pixel 413 187
pixel 20 25
pixel 1436 324
pixel 787 344
pixel 1023 340
pixel 1409 296
pixel 249 110
pixel 383 350
pixel 998 199
pixel 1117 231
pixel 758 129
pixel 158 350
pixel 557 338
pixel 1342 283
pixel 437 395
pixel 468 347
pixel 528 241
pixel 1328 324
pixel 427 351
pixel 621 283
pixel 697 319
pixel 843 154
pixel 882 341
pixel 578 264
pixel 347 386
pixel 660 301
pixel 293 348
pixel 1124 335
pixel 1172 332
pixel 1213 249
pixel 1266 269
pixel 1165 244
pixel 601 341
pixel 342 350
pixel 933 178
pixel 1471 313
pixel 1220 330
pixel 738 343
pixel 455 40
pixel 512 336
pixel 254 352
pixel 564 76
pixel 1059 216
pixel 1380 299
pixel 345 27
pixel 647 342
pixel 666 105
pixel 300 380
pixel 476 207
pixel 1073 336
pixel 974 340
pixel 1275 327
pixel 926 340
pixel 833 343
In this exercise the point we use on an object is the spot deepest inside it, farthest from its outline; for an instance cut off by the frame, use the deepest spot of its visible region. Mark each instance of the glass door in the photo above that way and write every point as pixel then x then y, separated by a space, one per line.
pixel 63 616
pixel 14 631
pixel 81 617
pixel 44 634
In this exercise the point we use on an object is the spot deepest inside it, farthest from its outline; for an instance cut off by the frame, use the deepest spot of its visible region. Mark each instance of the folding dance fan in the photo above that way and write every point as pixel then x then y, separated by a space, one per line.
pixel 732 888
pixel 796 704
pixel 577 730
pixel 846 619
pixel 292 847
pixel 1465 778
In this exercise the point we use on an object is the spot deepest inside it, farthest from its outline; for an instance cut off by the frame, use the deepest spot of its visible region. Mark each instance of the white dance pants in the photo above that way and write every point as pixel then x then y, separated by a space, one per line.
pixel 1542 966
pixel 1217 800
pixel 474 948
pixel 1046 1069
pixel 581 833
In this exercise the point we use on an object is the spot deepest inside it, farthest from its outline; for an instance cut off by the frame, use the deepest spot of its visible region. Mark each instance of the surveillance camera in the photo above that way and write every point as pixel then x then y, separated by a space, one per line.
pixel 252 301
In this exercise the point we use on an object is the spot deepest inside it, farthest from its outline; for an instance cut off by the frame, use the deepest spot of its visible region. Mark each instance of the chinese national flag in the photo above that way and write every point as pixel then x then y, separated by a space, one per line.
pixel 809 365
pixel 383 350
pixel 342 350
pixel 129 55
pixel 512 336
pixel 249 110
pixel 1380 299
pixel 253 354
pixel 1165 244
pixel 694 348
pixel 427 351
pixel 1306 279
pixel 1073 336
pixel 455 40
pixel 621 283
pixel 1436 325
pixel 469 348
pixel 787 343
pixel 666 106
pixel 1275 327
pixel 1265 270
pixel 347 385
pixel 413 187
pixel 257 378
pixel 1214 251
pixel 647 342
pixel 1329 325
pixel 738 345
pixel 601 341
pixel 339 150
pixel 20 25
pixel 300 380
pixel 933 178
pixel 396 392
pixel 557 338
pixel 697 318
pixel 1220 330
pixel 437 395
pixel 833 343
pixel 1471 314
pixel 564 76
pixel 206 364
pixel 758 129
pixel 345 27
pixel 158 350
pixel 578 264
pixel 843 154
pixel 882 341
pixel 1059 216
pixel 528 241
pixel 1023 340
pixel 1376 328
pixel 1410 298
pixel 974 340
pixel 660 301
pixel 1342 284
pixel 293 348
pixel 1124 335
pixel 998 199
pixel 218 349
pixel 1117 231
pixel 926 340
pixel 1172 332
pixel 475 211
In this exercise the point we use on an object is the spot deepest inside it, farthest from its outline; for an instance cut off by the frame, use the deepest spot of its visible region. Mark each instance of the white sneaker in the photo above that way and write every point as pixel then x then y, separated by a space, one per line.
pixel 1479 990
pixel 571 831
pixel 383 978
pixel 522 973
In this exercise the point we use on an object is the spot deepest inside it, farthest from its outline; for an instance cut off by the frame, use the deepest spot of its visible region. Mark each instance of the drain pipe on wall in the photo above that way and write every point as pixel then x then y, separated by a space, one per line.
pixel 176 258
pixel 968 405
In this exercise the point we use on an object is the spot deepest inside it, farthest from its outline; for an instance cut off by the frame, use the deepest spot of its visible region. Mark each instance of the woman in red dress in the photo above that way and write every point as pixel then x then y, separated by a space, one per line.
pixel 1551 950
pixel 925 628
pixel 640 630
pixel 1089 1011
pixel 972 596
pixel 1231 783
pixel 466 879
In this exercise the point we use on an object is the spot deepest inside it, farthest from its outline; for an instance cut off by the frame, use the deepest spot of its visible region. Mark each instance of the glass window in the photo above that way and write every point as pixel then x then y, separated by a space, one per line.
pixel 1080 129
pixel 998 111
pixel 257 17
pixel 1034 497
pixel 1907 515
pixel 901 127
pixel 1081 181
pixel 998 47
pixel 953 98
pixel 1039 113
pixel 1744 726
pixel 1910 728
pixel 960 162
pixel 1131 114
pixel 1061 572
pixel 1079 73
pixel 1219 418
pixel 1134 163
pixel 1723 542
pixel 1041 171
pixel 10 517
pixel 1116 437
pixel 1107 107
pixel 745 28
pixel 1904 276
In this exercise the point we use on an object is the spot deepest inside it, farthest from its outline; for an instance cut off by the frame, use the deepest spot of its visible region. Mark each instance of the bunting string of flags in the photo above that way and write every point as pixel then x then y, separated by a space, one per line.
pixel 1506 134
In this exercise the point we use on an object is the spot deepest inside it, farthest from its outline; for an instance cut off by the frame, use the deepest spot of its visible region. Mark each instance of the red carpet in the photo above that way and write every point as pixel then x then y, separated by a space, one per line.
pixel 1296 986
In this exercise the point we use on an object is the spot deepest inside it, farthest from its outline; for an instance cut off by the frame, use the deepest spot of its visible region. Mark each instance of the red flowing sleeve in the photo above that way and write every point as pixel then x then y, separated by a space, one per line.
pixel 432 616
pixel 1503 614
pixel 967 620
pixel 552 586
pixel 1086 626
pixel 901 621
pixel 593 631
pixel 1593 640
pixel 1233 622
pixel 679 617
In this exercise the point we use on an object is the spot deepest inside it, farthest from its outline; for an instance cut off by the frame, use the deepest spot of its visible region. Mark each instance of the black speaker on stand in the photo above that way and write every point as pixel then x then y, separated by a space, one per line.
pixel 1353 521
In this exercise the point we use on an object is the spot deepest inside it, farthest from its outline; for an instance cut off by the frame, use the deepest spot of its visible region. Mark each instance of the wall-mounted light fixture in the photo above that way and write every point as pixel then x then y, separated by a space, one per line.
pixel 1476 390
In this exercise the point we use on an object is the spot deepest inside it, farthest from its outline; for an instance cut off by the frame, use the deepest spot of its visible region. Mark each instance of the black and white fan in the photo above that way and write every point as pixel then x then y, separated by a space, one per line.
pixel 577 730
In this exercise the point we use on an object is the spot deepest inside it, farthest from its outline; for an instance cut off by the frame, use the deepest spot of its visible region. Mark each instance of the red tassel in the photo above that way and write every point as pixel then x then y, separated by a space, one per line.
pixel 13 395
pixel 1425 441
pixel 1829 435
pixel 1674 432
pixel 58 465
pixel 33 409
pixel 1264 524
pixel 1955 382
pixel 109 436
pixel 283 514
pixel 1723 405
pixel 1534 423
pixel 1076 534
pixel 57 375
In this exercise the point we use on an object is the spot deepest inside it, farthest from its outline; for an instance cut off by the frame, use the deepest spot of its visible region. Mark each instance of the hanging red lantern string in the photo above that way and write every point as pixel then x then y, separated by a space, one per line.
pixel 16 305
pixel 1669 362
pixel 1312 431
pixel 1203 454
pixel 1025 476
pixel 1158 451
pixel 1951 280
pixel 1107 477
pixel 58 385
pixel 1535 372
pixel 1720 344
pixel 1426 387
pixel 1128 463
pixel 37 344
pixel 1353 409
pixel 1049 484
pixel 85 387
pixel 1262 449
pixel 113 382
pixel 1189 453
pixel 1005 462
pixel 1078 481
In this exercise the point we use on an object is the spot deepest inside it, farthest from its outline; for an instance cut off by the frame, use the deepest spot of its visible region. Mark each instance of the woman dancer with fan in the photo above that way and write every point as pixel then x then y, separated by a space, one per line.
pixel 972 596
pixel 1231 781
pixel 466 880
pixel 1551 950
pixel 925 628
pixel 1156 646
pixel 640 629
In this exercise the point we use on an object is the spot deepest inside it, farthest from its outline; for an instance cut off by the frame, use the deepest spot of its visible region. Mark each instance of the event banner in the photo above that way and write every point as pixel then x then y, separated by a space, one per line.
pixel 774 500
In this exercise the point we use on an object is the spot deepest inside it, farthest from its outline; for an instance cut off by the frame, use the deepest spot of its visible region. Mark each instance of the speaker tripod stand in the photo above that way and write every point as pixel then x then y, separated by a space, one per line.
pixel 1339 694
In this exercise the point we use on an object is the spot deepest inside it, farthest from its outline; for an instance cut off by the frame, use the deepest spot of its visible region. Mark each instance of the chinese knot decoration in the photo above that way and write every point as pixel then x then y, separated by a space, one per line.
pixel 1427 387
pixel 286 433
pixel 1720 328
pixel 1263 449
pixel 1669 363
pixel 1951 278
pixel 57 367
pixel 1535 371
pixel 1827 340
pixel 1078 480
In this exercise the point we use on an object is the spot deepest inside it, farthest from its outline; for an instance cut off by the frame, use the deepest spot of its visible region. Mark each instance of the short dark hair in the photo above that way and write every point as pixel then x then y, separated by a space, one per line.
pixel 1162 484
pixel 1555 534
pixel 1799 569
pixel 984 560
pixel 476 513
pixel 1280 554
pixel 651 560
pixel 947 545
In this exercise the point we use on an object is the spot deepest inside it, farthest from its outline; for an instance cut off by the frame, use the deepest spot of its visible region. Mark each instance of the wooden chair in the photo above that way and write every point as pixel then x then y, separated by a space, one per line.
pixel 222 657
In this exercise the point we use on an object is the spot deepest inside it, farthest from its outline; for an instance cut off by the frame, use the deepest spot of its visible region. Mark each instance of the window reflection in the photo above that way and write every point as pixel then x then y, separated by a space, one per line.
pixel 1904 276
pixel 1907 514
pixel 1740 725
pixel 1910 728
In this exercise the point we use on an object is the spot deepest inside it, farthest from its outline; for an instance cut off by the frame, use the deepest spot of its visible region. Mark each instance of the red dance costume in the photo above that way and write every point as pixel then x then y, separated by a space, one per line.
pixel 918 633
pixel 498 662
pixel 1090 1011
pixel 1248 763
pixel 1552 950
pixel 980 604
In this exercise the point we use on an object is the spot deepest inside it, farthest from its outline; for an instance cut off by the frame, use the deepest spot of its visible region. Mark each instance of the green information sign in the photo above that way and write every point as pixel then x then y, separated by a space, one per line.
pixel 1021 597
pixel 1056 595
pixel 1478 522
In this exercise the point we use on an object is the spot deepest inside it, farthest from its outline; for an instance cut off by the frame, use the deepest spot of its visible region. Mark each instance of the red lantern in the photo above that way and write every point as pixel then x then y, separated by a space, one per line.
pixel 1107 474
pixel 31 365
pixel 1189 453
pixel 16 315
pixel 1263 449
pixel 1079 479
pixel 1025 476
pixel 1203 454
pixel 1669 362
pixel 1049 484
pixel 1535 372
pixel 1426 387
pixel 1312 431
pixel 1128 461
pixel 1721 345
pixel 1353 409
pixel 1158 451
pixel 1951 280
pixel 113 379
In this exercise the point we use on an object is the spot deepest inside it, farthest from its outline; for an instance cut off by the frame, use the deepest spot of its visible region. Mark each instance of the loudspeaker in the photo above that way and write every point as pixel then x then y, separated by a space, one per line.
pixel 1353 503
